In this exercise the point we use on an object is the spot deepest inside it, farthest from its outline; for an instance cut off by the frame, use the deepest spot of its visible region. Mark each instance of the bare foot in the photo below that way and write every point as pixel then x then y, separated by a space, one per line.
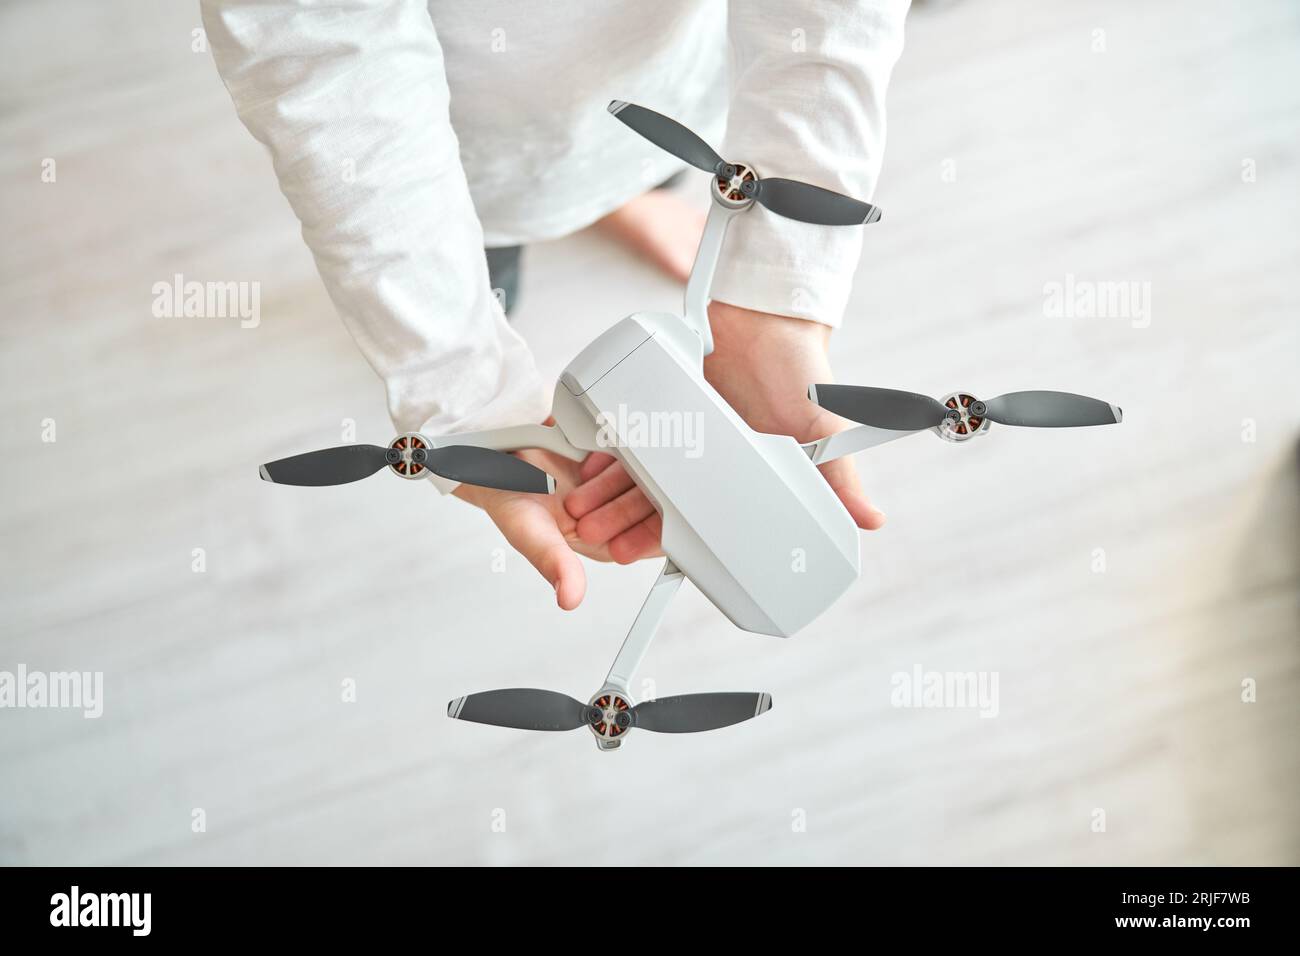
pixel 659 227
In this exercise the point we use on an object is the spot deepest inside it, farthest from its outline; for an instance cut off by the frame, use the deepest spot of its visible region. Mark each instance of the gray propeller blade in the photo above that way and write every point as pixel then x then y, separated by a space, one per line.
pixel 691 713
pixel 785 197
pixel 329 466
pixel 523 708
pixel 808 203
pixel 880 407
pixel 670 135
pixel 1051 410
pixel 487 468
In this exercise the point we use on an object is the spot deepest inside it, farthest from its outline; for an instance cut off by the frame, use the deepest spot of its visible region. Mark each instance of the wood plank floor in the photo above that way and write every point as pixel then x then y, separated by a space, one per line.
pixel 1020 154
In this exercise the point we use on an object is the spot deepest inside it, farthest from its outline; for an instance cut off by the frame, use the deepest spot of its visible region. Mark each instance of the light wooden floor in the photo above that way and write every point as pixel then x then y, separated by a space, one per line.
pixel 1119 691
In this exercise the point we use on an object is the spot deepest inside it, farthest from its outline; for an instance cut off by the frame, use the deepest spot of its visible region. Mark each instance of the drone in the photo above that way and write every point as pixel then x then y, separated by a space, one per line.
pixel 654 362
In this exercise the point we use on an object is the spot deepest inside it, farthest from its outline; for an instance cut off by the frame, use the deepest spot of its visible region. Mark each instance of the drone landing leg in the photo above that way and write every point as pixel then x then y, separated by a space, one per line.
pixel 644 627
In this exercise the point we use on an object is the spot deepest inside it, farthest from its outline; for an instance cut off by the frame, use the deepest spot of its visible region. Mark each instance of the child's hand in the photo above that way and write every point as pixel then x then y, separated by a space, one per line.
pixel 539 528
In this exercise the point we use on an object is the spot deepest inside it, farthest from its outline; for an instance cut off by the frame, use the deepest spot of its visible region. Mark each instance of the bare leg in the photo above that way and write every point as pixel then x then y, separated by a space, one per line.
pixel 658 227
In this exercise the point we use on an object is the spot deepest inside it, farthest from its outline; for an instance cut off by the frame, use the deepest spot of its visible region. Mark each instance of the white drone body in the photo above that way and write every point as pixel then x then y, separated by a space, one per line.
pixel 773 548
pixel 736 540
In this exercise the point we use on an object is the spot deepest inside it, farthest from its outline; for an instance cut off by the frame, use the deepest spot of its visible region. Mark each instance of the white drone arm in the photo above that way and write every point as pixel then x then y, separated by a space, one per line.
pixel 644 627
pixel 706 263
pixel 850 442
pixel 515 438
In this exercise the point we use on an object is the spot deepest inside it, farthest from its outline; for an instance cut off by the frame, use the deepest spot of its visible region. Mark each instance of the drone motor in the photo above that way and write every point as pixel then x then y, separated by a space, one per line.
pixel 735 191
pixel 609 718
pixel 965 418
pixel 412 452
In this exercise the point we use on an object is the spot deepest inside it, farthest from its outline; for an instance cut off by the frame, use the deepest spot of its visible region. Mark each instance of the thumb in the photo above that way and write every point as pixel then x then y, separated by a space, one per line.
pixel 532 531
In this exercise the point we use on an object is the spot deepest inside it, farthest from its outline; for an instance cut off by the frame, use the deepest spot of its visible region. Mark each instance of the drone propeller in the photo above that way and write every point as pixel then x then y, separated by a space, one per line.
pixel 1039 409
pixel 690 713
pixel 465 463
pixel 671 136
pixel 785 197
pixel 908 411
pixel 330 466
pixel 524 708
pixel 530 709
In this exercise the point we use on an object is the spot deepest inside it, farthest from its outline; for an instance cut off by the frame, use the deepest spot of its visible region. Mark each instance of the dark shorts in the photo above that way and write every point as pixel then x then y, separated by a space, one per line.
pixel 503 274
pixel 504 264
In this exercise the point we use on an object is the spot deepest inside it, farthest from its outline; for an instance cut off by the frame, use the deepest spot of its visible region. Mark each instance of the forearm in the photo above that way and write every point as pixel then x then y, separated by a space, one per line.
pixel 351 100
pixel 808 103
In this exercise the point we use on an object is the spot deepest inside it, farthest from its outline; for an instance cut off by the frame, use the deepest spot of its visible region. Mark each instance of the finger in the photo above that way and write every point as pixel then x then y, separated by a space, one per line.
pixel 844 481
pixel 601 490
pixel 641 541
pixel 594 464
pixel 615 517
pixel 532 531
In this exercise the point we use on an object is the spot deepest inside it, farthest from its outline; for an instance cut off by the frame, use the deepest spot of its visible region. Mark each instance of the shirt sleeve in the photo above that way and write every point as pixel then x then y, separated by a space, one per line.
pixel 351 99
pixel 808 87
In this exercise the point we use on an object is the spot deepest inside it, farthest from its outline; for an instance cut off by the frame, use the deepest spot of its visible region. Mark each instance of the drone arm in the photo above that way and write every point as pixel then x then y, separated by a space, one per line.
pixel 706 263
pixel 515 437
pixel 850 442
pixel 644 627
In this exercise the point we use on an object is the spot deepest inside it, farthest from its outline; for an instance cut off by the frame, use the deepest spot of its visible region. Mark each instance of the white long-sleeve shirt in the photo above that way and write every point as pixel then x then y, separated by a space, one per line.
pixel 407 135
